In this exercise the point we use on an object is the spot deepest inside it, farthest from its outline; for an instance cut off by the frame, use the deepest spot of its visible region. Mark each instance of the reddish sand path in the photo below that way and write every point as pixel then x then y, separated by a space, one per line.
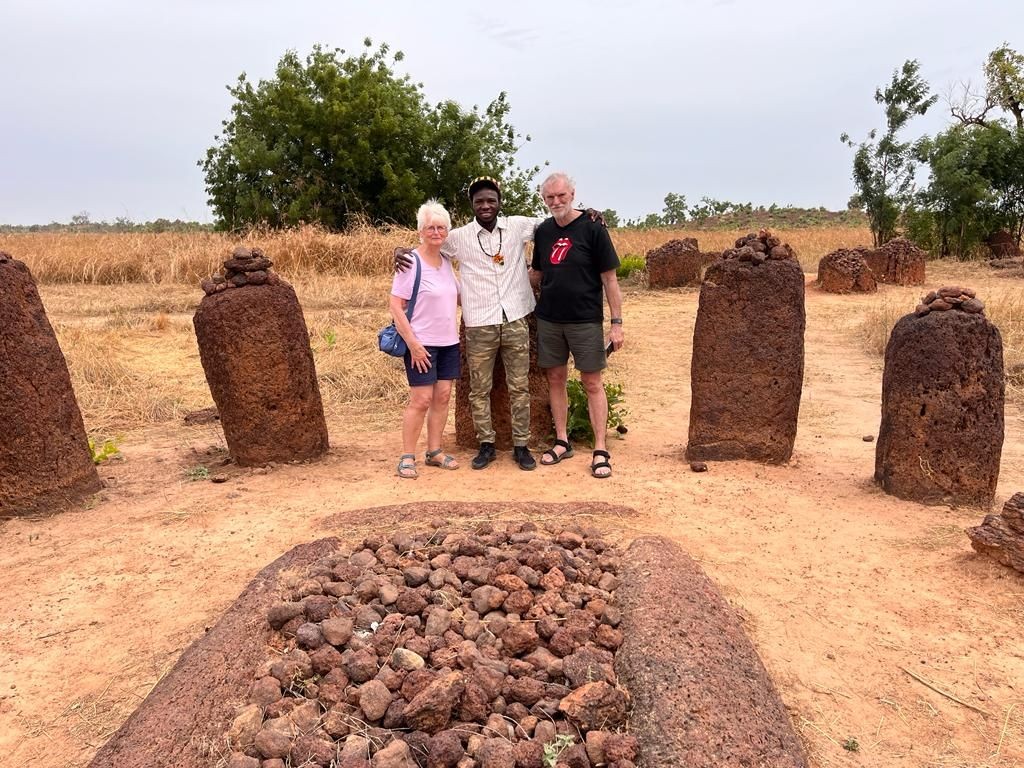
pixel 844 590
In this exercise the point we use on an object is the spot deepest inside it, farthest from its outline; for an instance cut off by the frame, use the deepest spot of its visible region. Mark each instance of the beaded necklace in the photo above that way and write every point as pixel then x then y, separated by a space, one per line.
pixel 498 258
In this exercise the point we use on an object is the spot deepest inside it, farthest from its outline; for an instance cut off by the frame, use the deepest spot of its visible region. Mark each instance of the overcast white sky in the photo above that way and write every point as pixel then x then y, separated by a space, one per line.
pixel 108 104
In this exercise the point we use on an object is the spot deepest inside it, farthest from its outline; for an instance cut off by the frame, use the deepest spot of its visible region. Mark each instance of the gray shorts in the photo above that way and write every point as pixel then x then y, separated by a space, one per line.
pixel 584 340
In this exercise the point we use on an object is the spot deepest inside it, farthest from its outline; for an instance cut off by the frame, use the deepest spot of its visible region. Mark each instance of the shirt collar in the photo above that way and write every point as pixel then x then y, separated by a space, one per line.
pixel 500 223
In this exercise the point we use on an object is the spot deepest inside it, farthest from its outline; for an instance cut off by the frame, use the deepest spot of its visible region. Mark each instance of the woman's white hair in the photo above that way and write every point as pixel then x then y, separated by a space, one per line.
pixel 432 210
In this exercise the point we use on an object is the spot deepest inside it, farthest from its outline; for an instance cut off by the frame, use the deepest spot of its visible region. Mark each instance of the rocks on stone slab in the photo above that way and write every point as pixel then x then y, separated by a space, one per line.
pixel 490 634
pixel 943 389
pixel 1001 537
pixel 950 297
pixel 47 465
pixel 748 357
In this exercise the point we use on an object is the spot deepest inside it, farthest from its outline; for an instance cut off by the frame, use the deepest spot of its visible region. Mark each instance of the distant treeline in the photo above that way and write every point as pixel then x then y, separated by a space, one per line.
pixel 81 223
pixel 712 214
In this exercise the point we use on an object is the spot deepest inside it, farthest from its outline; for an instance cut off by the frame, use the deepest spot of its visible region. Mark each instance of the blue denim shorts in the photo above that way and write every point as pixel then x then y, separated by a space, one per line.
pixel 444 365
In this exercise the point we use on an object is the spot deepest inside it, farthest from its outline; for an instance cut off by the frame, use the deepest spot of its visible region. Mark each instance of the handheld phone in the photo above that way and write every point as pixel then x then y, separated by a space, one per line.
pixel 609 349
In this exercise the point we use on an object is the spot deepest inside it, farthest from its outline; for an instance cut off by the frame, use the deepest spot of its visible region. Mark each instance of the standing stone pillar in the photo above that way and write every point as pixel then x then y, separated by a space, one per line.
pixel 942 403
pixel 254 347
pixel 541 425
pixel 748 354
pixel 676 263
pixel 46 464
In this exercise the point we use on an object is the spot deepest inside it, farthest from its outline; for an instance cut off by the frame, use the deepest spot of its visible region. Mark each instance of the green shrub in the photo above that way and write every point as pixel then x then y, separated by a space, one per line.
pixel 629 264
pixel 103 450
pixel 579 428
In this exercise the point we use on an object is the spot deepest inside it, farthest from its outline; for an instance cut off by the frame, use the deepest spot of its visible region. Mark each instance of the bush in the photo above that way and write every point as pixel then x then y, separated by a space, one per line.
pixel 629 264
pixel 579 428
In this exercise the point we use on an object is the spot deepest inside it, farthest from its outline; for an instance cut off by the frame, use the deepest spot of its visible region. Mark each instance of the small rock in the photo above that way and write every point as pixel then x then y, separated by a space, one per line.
pixel 868 438
pixel 403 658
pixel 698 466
pixel 220 477
pixel 595 705
pixel 374 699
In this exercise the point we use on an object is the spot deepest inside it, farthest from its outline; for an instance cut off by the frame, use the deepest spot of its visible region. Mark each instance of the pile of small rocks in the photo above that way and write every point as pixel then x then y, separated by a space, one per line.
pixel 247 266
pixel 760 248
pixel 950 297
pixel 845 271
pixel 446 650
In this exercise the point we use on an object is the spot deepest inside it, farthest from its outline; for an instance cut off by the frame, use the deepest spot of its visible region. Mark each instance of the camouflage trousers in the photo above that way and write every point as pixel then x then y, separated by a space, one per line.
pixel 482 346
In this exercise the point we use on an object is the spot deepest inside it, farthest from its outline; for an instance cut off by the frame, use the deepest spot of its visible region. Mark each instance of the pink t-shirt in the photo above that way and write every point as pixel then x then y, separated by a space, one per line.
pixel 433 318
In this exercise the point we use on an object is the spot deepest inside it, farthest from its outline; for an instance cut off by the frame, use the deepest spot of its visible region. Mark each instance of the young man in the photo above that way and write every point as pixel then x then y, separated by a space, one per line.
pixel 575 262
pixel 496 299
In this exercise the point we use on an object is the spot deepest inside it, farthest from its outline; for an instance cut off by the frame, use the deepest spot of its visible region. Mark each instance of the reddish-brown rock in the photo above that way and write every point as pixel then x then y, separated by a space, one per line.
pixel 1003 245
pixel 541 425
pixel 431 709
pixel 255 352
pixel 845 271
pixel 748 361
pixel 594 706
pixel 942 409
pixel 1002 537
pixel 899 262
pixel 47 464
pixel 701 697
pixel 677 263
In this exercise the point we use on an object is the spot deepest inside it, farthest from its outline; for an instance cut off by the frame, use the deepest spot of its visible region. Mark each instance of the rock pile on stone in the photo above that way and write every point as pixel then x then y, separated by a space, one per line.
pixel 1002 537
pixel 943 389
pixel 255 351
pixel 541 424
pixel 845 271
pixel 746 373
pixel 47 464
pixel 247 266
pixel 760 248
pixel 449 649
pixel 899 262
pixel 950 297
pixel 677 263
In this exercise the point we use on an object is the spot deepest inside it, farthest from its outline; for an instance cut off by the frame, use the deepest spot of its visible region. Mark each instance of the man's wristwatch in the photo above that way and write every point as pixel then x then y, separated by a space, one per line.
pixel 616 321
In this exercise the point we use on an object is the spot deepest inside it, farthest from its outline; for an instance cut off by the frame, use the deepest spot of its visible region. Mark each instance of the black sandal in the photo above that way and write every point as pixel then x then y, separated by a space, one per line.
pixel 568 453
pixel 599 465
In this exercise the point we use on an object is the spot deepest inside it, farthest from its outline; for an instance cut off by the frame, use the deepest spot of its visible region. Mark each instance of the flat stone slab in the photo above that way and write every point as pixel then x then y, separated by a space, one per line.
pixel 701 696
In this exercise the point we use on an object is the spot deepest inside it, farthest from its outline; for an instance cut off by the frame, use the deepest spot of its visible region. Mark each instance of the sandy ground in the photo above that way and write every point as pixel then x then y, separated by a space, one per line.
pixel 881 627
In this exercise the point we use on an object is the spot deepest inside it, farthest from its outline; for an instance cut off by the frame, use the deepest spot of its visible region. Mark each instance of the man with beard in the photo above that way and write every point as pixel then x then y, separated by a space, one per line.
pixel 574 262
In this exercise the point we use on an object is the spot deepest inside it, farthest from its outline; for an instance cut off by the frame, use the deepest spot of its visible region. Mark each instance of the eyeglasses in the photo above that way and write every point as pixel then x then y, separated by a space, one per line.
pixel 436 228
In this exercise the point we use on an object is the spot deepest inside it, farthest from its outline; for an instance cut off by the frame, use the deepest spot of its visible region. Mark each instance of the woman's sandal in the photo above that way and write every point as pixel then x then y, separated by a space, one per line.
pixel 407 466
pixel 557 457
pixel 448 462
pixel 601 464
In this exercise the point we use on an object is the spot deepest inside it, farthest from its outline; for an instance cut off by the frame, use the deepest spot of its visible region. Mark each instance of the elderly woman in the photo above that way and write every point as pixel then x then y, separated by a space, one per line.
pixel 432 336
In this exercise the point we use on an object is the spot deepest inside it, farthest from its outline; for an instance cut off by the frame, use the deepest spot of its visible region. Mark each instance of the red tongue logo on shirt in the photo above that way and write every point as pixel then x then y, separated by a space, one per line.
pixel 560 249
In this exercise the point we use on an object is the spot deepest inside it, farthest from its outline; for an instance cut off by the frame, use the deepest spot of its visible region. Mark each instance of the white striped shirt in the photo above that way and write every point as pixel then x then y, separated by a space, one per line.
pixel 489 288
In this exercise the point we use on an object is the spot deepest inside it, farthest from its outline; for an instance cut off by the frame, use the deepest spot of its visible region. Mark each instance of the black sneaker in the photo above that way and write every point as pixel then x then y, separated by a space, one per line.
pixel 521 455
pixel 485 456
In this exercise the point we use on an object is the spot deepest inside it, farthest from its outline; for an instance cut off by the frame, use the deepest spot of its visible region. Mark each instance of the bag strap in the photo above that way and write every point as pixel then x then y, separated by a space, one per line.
pixel 415 289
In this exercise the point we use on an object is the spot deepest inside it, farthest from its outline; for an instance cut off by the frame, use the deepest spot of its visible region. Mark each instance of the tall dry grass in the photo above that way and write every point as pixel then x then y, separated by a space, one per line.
pixel 187 257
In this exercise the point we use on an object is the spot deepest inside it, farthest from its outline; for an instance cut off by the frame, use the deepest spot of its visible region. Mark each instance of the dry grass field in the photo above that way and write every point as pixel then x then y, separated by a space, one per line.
pixel 845 591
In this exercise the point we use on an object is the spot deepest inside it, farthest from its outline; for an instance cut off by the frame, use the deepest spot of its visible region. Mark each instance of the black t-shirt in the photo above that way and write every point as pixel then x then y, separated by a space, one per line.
pixel 571 260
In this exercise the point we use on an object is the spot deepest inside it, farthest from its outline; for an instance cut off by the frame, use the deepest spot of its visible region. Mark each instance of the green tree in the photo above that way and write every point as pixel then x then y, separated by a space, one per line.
pixel 883 167
pixel 674 212
pixel 336 136
pixel 1004 78
pixel 611 217
pixel 976 184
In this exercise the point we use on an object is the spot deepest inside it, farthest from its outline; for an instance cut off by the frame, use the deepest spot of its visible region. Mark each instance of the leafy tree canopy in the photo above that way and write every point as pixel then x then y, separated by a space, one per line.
pixel 336 136
pixel 883 167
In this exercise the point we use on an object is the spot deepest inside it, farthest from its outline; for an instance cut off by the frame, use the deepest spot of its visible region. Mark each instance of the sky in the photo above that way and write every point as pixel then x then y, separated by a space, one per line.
pixel 108 105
